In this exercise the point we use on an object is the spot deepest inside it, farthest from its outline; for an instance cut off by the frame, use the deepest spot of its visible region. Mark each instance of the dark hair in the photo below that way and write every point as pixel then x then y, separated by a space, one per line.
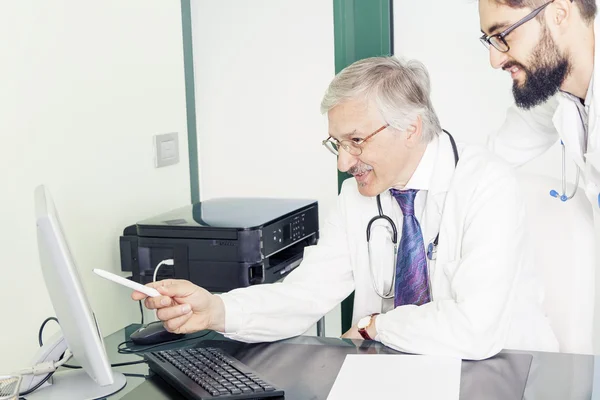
pixel 587 8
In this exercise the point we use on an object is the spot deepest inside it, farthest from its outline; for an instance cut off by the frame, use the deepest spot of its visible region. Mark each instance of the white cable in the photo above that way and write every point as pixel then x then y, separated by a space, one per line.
pixel 168 261
pixel 46 367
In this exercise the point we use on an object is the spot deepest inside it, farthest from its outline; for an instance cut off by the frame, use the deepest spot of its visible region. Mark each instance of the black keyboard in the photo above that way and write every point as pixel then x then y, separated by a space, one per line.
pixel 208 373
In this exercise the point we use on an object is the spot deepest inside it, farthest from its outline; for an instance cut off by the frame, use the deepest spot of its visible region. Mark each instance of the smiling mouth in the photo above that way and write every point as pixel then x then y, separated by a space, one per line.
pixel 513 70
pixel 360 178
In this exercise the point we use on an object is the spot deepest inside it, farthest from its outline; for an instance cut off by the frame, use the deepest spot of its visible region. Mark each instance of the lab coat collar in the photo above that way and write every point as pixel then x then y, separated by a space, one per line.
pixel 443 168
pixel 566 117
pixel 568 122
pixel 594 108
pixel 421 178
pixel 440 169
pixel 435 170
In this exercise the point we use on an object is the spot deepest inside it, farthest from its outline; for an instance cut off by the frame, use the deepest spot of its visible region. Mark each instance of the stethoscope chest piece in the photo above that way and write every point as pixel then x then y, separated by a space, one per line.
pixel 431 251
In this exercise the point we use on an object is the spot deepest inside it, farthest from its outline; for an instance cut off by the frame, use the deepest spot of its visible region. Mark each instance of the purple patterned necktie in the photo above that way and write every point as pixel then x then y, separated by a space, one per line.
pixel 412 284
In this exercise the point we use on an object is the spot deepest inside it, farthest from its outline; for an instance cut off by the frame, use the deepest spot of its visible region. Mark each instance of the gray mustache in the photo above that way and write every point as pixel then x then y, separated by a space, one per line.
pixel 357 170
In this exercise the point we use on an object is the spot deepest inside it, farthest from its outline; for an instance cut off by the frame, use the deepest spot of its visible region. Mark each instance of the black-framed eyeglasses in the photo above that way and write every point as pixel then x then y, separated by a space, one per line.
pixel 498 40
pixel 353 147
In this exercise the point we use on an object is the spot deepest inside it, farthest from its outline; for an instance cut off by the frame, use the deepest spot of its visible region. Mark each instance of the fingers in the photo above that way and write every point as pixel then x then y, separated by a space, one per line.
pixel 155 303
pixel 138 295
pixel 176 325
pixel 141 296
pixel 166 314
pixel 164 288
pixel 174 287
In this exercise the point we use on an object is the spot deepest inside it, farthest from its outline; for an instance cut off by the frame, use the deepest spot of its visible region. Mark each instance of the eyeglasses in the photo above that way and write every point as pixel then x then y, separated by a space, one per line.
pixel 353 146
pixel 498 40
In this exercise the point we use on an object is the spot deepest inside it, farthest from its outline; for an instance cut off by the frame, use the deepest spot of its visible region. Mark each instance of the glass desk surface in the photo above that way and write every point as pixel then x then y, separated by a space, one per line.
pixel 306 368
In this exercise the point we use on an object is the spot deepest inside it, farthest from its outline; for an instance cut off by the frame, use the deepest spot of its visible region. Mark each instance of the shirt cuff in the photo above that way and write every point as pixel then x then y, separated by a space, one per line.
pixel 378 327
pixel 234 313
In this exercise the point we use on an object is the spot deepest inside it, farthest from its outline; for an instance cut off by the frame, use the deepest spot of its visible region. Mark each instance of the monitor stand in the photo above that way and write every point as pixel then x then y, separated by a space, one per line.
pixel 76 384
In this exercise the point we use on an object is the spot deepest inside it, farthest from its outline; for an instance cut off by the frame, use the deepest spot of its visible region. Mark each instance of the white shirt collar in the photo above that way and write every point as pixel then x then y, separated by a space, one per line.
pixel 588 96
pixel 421 178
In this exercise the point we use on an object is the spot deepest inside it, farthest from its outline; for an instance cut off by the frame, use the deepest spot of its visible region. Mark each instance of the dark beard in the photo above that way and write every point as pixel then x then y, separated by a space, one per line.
pixel 548 72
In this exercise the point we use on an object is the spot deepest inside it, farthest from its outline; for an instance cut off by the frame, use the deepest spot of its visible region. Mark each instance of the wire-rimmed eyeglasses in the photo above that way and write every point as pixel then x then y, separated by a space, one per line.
pixel 353 146
pixel 498 40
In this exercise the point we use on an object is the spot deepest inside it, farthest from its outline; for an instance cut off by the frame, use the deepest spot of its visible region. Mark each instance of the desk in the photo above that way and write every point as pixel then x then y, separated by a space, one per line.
pixel 306 367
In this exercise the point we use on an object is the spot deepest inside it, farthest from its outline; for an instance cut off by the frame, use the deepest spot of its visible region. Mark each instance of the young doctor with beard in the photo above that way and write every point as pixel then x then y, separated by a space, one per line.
pixel 457 281
pixel 550 50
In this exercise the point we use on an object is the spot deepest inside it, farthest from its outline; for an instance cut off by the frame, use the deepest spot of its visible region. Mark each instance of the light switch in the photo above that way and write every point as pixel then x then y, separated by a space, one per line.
pixel 166 149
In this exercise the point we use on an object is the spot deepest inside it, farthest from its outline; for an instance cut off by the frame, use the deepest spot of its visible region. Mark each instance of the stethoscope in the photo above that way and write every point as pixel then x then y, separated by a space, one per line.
pixel 564 196
pixel 431 248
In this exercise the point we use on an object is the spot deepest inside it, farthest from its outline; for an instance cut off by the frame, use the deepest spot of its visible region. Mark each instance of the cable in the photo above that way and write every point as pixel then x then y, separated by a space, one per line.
pixel 138 351
pixel 168 261
pixel 63 359
pixel 123 364
pixel 36 387
pixel 137 375
pixel 40 341
pixel 48 366
pixel 141 311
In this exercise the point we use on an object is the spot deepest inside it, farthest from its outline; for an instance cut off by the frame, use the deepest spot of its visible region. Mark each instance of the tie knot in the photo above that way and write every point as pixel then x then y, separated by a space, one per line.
pixel 406 200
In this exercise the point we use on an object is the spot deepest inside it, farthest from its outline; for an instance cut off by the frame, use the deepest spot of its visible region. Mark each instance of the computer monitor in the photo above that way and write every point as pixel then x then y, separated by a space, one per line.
pixel 96 379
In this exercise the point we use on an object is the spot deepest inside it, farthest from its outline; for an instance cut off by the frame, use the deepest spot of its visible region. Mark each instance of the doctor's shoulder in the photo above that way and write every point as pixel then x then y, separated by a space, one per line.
pixel 349 189
pixel 350 197
pixel 480 167
pixel 538 119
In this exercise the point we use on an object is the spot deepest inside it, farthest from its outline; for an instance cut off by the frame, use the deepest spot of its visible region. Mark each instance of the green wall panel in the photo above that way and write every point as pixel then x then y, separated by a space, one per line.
pixel 190 99
pixel 363 28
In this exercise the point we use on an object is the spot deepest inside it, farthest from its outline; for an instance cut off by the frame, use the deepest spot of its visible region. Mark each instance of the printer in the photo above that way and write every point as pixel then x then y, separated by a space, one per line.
pixel 222 243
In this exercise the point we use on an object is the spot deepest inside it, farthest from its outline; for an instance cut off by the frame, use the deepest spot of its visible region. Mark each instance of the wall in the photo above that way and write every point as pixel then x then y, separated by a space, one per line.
pixel 261 69
pixel 85 86
pixel 470 97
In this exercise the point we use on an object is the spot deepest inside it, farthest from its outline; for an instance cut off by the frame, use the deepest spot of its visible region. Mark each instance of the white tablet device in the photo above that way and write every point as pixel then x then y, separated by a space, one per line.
pixel 126 282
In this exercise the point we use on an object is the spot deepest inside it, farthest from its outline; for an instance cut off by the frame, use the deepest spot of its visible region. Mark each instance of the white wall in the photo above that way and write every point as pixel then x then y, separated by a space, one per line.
pixel 261 68
pixel 470 97
pixel 85 86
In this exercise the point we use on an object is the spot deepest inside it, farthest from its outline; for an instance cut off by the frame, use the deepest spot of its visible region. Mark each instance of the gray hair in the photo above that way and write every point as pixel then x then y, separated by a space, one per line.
pixel 400 91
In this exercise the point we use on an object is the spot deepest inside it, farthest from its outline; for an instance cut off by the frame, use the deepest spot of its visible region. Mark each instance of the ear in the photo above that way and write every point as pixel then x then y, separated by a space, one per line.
pixel 561 13
pixel 413 132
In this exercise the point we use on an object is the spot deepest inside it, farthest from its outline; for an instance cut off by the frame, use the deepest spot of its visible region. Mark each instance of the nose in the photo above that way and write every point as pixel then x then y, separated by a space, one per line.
pixel 497 58
pixel 346 160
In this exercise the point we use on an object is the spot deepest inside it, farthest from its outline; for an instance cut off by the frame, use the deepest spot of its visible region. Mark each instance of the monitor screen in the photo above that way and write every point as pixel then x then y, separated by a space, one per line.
pixel 75 316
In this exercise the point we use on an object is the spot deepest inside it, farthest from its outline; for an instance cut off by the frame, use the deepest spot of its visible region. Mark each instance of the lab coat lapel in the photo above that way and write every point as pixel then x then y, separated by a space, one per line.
pixel 568 124
pixel 436 196
pixel 592 156
pixel 594 136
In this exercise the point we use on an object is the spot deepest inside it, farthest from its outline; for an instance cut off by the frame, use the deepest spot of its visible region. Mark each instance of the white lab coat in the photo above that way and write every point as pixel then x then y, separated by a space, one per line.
pixel 528 134
pixel 484 296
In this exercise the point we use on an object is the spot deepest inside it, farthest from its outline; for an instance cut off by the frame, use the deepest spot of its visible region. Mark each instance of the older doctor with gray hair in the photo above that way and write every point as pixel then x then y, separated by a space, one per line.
pixel 429 235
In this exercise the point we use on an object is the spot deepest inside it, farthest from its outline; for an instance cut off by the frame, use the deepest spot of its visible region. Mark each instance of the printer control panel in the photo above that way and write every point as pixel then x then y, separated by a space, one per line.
pixel 293 230
pixel 290 230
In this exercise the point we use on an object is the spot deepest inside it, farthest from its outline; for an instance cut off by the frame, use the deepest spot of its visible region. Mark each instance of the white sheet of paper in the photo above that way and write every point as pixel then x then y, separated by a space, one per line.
pixel 406 377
